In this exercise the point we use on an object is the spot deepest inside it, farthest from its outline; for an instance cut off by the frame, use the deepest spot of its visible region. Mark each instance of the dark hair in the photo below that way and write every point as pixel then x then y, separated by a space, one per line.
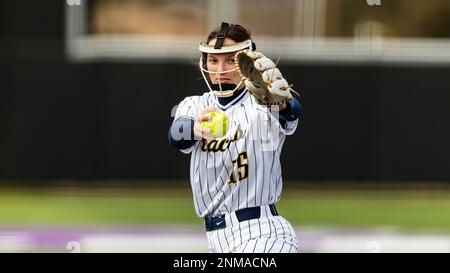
pixel 236 33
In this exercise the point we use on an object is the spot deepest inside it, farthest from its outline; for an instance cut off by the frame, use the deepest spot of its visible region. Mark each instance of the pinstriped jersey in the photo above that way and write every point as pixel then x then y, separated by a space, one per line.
pixel 241 169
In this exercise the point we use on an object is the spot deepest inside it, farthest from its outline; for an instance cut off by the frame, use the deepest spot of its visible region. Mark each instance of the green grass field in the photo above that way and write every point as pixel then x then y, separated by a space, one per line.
pixel 414 210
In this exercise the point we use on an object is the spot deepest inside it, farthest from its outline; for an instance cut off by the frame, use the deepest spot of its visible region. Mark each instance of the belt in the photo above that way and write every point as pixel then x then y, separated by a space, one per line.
pixel 218 222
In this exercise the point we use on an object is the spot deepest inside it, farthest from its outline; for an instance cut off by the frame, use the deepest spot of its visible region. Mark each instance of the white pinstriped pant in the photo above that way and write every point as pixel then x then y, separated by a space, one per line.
pixel 267 234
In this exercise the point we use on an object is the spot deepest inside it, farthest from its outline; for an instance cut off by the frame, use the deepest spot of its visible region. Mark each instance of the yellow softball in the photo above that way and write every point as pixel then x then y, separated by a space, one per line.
pixel 218 124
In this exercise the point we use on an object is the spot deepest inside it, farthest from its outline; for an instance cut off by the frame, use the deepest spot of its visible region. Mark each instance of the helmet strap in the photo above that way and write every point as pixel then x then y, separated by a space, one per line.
pixel 221 35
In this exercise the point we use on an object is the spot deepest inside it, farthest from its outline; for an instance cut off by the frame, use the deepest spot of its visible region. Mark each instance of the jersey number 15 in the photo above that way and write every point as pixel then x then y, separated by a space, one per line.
pixel 242 167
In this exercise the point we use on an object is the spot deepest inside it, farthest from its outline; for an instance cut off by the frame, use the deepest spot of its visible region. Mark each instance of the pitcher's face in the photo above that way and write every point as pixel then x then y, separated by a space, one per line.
pixel 222 67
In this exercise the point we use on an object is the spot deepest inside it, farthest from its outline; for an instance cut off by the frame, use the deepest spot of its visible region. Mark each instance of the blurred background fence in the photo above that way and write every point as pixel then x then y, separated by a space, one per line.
pixel 84 96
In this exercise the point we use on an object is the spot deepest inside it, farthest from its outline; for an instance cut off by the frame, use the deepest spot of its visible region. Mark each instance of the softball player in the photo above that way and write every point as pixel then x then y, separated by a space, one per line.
pixel 236 180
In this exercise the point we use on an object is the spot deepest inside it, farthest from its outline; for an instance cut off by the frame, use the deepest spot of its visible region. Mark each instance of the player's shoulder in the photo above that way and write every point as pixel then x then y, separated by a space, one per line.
pixel 251 104
pixel 203 99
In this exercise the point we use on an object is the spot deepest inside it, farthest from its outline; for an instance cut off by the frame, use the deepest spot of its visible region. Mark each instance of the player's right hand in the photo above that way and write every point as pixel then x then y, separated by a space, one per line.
pixel 199 131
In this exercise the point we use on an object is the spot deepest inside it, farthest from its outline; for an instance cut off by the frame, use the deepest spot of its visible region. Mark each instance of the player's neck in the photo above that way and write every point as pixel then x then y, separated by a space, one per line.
pixel 225 101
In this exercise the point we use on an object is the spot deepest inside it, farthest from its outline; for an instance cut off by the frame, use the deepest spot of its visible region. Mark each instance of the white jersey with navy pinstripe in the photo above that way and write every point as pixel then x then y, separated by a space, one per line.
pixel 242 169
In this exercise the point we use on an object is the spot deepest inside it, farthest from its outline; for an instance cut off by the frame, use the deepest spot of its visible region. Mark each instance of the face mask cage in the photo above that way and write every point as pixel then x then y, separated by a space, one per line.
pixel 222 90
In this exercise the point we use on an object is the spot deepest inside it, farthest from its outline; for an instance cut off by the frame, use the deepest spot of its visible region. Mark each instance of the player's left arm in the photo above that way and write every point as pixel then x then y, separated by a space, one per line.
pixel 289 111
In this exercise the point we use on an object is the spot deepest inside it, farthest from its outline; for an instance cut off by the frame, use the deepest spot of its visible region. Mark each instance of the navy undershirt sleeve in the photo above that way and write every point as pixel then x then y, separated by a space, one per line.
pixel 181 133
pixel 291 112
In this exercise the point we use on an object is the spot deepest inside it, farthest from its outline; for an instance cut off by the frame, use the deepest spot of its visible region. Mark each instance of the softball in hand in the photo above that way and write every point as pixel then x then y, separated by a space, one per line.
pixel 218 124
